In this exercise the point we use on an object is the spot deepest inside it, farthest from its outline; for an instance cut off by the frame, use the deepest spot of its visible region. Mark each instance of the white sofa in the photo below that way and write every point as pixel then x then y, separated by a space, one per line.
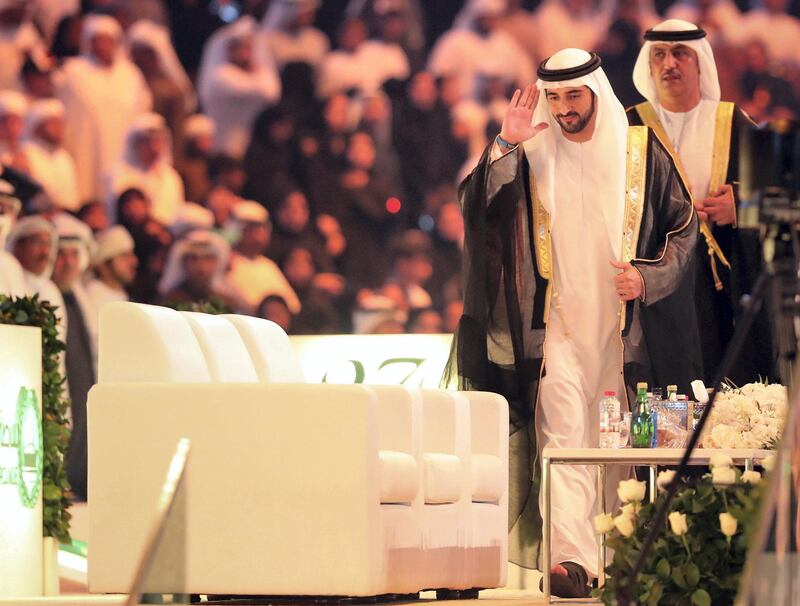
pixel 293 488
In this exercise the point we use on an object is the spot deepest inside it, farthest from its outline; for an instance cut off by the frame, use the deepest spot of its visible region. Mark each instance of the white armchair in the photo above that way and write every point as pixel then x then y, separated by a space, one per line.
pixel 293 488
pixel 288 490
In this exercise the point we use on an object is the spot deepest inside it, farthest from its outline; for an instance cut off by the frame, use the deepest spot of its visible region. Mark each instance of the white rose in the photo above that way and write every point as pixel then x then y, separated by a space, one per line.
pixel 677 522
pixel 664 478
pixel 723 476
pixel 631 490
pixel 631 509
pixel 751 477
pixel 728 524
pixel 603 523
pixel 719 459
pixel 724 435
pixel 768 463
pixel 624 524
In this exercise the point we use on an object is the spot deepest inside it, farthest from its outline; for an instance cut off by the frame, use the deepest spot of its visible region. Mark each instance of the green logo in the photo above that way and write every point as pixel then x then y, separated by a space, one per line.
pixel 412 365
pixel 24 435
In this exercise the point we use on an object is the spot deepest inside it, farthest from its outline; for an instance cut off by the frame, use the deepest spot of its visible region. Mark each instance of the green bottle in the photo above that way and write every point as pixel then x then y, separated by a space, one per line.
pixel 642 425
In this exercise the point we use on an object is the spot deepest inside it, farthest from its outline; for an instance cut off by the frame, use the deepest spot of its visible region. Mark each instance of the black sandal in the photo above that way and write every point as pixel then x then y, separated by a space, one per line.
pixel 574 585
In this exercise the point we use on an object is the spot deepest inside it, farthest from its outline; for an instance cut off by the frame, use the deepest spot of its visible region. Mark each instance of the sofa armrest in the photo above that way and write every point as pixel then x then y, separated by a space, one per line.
pixel 296 465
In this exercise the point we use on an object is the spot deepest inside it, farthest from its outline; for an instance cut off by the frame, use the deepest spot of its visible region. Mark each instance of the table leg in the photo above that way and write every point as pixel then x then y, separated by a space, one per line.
pixel 546 530
pixel 748 464
pixel 653 469
pixel 601 509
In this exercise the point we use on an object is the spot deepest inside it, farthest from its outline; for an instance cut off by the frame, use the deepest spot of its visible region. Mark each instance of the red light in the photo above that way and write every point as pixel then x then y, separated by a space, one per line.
pixel 393 205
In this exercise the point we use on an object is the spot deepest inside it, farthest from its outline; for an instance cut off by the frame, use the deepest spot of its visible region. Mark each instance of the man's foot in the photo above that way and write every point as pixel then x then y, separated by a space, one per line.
pixel 568 580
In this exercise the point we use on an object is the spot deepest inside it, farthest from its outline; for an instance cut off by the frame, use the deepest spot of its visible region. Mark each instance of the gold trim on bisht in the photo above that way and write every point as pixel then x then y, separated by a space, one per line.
pixel 719 169
pixel 634 190
pixel 635 177
pixel 722 146
pixel 542 243
pixel 541 232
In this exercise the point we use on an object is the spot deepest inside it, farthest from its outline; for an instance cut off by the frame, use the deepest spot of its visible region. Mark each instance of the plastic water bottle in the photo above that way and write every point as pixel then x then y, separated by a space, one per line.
pixel 609 420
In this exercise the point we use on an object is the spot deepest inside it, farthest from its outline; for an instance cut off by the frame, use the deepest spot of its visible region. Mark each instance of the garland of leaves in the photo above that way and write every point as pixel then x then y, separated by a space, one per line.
pixel 30 311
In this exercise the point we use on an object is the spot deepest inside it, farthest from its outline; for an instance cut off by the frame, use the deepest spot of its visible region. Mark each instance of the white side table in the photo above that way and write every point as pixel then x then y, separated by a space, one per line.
pixel 602 457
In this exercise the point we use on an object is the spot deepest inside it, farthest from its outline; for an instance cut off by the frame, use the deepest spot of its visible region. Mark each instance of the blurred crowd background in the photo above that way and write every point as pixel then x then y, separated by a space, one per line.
pixel 296 159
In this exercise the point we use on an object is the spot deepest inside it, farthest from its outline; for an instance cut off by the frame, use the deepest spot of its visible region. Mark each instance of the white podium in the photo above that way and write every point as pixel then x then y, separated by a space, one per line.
pixel 21 458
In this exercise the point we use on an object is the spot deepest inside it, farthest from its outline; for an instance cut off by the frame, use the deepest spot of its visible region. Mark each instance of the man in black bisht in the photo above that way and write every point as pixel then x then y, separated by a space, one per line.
pixel 677 75
pixel 578 230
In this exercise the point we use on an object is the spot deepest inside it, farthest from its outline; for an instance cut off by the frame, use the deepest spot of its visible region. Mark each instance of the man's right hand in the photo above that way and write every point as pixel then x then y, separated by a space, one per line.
pixel 517 127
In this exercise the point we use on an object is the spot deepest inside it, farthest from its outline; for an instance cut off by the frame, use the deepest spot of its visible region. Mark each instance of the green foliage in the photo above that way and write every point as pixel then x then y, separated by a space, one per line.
pixel 703 569
pixel 212 306
pixel 30 311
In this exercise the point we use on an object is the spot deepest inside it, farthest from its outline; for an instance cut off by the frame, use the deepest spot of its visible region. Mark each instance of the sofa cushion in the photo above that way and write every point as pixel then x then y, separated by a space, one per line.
pixel 148 344
pixel 226 355
pixel 399 477
pixel 488 478
pixel 443 478
pixel 269 348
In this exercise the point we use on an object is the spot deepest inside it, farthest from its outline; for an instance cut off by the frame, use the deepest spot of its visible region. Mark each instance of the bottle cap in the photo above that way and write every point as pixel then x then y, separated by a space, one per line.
pixel 641 386
pixel 672 388
pixel 609 393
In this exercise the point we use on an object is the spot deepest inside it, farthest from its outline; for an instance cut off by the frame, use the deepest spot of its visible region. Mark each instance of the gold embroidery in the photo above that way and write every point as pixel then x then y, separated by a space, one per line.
pixel 542 243
pixel 722 146
pixel 541 233
pixel 719 170
pixel 634 190
pixel 635 177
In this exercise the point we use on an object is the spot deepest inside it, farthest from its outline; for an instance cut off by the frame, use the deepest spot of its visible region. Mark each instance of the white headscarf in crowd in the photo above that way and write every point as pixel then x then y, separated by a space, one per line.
pixel 148 123
pixel 199 241
pixel 282 12
pixel 190 217
pixel 28 226
pixel 112 242
pixel 671 32
pixel 39 111
pixel 573 67
pixel 74 233
pixel 243 213
pixel 94 25
pixel 474 9
pixel 215 53
pixel 157 37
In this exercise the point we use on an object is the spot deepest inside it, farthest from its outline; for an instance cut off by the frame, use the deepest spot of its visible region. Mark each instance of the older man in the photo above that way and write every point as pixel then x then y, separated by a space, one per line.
pixel 677 75
pixel 578 228
pixel 102 92
pixel 33 241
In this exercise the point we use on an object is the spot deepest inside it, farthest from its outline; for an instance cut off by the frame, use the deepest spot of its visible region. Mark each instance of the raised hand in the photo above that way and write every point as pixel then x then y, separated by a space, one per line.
pixel 517 127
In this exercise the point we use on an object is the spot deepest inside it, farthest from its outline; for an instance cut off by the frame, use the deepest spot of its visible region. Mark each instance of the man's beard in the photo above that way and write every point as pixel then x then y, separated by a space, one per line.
pixel 581 123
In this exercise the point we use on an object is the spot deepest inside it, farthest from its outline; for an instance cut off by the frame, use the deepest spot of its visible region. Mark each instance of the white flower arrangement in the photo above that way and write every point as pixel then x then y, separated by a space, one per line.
pixel 751 416
pixel 699 554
